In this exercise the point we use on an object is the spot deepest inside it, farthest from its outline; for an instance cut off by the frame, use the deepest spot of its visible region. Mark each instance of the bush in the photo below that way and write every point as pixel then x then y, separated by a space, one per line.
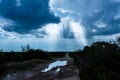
pixel 2 63
pixel 101 62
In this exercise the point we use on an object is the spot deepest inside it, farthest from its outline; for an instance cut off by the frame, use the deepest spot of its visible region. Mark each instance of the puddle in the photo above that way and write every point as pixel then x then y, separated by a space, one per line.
pixel 55 64
pixel 58 70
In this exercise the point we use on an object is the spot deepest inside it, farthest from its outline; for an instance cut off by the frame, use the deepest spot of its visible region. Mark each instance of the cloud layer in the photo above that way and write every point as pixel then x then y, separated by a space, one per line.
pixel 60 24
pixel 26 14
pixel 98 17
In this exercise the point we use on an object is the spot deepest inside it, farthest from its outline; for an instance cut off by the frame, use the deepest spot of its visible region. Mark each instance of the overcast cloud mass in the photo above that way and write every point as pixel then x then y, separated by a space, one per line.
pixel 26 15
pixel 58 25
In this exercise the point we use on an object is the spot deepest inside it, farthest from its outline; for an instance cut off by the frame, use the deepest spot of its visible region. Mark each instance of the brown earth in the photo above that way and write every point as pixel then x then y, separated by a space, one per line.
pixel 68 72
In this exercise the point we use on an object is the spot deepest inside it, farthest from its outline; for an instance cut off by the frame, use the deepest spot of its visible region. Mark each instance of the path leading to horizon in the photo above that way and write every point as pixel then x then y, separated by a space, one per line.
pixel 67 72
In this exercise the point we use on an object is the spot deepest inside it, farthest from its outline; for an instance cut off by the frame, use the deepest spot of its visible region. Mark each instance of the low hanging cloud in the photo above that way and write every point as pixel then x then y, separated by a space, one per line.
pixel 26 14
pixel 98 17
pixel 66 29
pixel 56 31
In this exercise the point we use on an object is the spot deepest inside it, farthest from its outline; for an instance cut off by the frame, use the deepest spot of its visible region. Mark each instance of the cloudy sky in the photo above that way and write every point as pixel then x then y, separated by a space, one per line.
pixel 57 25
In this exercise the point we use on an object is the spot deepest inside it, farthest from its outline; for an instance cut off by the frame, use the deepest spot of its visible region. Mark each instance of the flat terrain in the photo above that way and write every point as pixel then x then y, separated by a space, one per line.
pixel 67 72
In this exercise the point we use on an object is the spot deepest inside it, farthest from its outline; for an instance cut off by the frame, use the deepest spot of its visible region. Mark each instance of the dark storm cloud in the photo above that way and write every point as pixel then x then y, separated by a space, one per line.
pixel 92 11
pixel 28 15
pixel 67 33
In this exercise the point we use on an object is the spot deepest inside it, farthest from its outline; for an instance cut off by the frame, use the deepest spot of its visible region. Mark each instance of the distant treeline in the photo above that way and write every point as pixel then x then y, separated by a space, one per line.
pixel 100 61
pixel 28 53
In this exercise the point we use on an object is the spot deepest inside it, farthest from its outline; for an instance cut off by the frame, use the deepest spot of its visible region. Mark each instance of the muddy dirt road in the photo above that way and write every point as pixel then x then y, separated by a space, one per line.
pixel 50 71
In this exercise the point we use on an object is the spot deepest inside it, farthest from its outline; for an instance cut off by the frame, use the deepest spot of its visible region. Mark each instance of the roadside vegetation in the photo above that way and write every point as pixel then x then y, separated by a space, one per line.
pixel 100 61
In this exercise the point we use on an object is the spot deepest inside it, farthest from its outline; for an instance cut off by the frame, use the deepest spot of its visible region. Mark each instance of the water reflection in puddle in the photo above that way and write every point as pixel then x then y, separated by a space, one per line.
pixel 55 64
pixel 58 70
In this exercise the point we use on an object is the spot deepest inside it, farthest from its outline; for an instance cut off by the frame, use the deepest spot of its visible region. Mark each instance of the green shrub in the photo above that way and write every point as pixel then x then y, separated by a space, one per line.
pixel 101 62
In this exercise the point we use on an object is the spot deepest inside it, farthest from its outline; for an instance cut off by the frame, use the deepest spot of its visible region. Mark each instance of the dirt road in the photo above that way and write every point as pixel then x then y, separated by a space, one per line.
pixel 67 72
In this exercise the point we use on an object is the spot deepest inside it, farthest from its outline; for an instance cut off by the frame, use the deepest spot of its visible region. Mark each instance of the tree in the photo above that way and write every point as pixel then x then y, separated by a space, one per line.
pixel 25 48
pixel 1 50
pixel 101 61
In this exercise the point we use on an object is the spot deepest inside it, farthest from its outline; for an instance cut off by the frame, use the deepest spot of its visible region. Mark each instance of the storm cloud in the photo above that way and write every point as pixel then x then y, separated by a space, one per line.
pixel 27 15
pixel 97 17
pixel 58 24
